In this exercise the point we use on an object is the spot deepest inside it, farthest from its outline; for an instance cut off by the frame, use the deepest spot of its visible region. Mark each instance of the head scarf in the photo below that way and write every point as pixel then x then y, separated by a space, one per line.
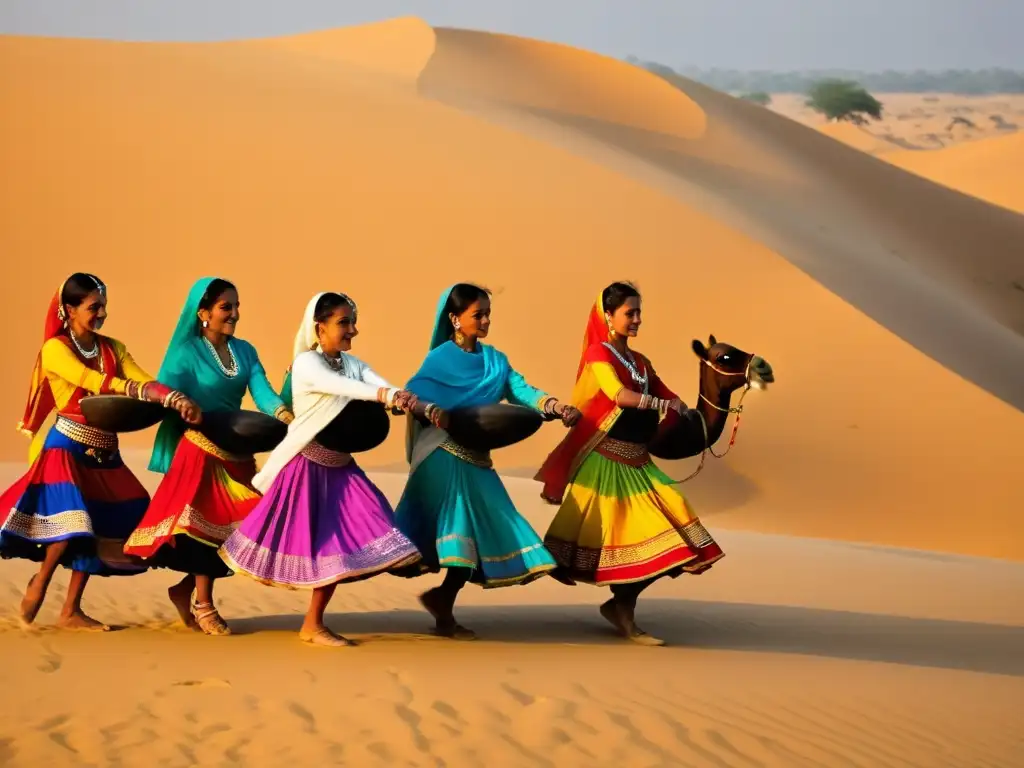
pixel 442 331
pixel 599 414
pixel 597 332
pixel 40 396
pixel 451 378
pixel 186 329
pixel 306 338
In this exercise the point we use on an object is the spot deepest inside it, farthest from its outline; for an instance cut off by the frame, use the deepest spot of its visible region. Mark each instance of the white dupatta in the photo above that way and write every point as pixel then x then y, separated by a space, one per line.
pixel 319 394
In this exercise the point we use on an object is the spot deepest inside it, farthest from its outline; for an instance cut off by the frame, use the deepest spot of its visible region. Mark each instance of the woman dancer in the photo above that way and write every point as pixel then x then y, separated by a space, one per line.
pixel 455 508
pixel 322 522
pixel 622 523
pixel 205 491
pixel 78 502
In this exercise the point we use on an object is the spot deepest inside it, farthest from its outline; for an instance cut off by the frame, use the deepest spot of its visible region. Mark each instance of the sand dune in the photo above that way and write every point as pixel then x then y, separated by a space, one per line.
pixel 391 160
pixel 985 169
pixel 288 169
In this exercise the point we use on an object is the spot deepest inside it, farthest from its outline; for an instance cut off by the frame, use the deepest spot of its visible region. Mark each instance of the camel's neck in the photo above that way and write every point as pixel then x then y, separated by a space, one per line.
pixel 720 396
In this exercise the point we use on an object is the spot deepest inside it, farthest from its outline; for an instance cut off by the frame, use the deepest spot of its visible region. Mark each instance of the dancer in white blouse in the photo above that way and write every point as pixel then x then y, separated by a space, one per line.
pixel 321 521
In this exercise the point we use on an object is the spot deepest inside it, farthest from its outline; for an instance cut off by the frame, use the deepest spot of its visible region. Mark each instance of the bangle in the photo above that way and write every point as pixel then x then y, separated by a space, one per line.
pixel 382 395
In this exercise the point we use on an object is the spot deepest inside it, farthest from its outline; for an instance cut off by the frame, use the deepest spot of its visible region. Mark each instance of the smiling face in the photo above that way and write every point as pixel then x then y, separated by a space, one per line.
pixel 89 315
pixel 223 315
pixel 475 322
pixel 336 332
pixel 626 320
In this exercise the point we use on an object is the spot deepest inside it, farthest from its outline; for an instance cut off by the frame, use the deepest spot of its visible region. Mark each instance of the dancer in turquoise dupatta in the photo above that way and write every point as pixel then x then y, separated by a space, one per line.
pixel 455 508
pixel 205 492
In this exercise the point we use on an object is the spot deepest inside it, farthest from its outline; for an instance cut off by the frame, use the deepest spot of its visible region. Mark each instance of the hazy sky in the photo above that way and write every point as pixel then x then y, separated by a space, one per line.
pixel 742 34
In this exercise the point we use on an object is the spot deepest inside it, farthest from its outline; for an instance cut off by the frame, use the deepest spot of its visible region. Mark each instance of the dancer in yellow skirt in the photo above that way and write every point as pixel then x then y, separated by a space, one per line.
pixel 621 522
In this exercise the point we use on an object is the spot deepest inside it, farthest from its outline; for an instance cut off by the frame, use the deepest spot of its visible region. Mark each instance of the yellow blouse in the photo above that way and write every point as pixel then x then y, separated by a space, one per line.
pixel 66 372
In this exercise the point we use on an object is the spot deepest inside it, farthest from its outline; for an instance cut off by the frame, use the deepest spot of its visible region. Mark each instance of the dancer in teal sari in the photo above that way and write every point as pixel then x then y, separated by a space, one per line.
pixel 206 492
pixel 455 508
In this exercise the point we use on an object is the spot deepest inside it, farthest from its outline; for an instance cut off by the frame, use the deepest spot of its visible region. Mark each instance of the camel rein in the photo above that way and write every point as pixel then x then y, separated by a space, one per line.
pixel 737 409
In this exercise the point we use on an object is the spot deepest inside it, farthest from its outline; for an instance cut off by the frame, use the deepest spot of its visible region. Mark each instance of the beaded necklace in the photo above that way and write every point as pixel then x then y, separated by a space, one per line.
pixel 629 365
pixel 230 370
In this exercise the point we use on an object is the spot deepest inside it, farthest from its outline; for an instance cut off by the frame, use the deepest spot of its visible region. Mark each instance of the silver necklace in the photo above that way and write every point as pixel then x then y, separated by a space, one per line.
pixel 335 363
pixel 87 355
pixel 231 370
pixel 629 365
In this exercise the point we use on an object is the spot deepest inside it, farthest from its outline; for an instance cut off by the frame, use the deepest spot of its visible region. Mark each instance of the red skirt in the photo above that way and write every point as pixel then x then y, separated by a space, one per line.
pixel 203 497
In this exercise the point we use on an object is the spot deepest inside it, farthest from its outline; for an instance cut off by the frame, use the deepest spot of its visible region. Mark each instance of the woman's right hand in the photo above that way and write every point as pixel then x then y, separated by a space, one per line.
pixel 189 410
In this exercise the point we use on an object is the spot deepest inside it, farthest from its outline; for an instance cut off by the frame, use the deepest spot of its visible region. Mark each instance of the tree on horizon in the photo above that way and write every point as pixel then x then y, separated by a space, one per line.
pixel 843 100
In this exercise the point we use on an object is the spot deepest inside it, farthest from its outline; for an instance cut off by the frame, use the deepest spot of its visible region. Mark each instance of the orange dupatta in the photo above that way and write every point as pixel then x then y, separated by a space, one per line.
pixel 599 411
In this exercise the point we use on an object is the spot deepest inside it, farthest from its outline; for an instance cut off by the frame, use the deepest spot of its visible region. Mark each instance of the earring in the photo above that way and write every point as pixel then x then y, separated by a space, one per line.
pixel 206 323
pixel 611 331
pixel 460 338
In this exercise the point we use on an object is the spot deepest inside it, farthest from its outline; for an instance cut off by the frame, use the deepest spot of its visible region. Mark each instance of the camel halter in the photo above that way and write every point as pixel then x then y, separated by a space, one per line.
pixel 737 409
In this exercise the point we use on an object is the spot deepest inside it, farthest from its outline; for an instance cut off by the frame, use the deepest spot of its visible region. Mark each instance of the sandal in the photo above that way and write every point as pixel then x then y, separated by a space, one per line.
pixel 208 619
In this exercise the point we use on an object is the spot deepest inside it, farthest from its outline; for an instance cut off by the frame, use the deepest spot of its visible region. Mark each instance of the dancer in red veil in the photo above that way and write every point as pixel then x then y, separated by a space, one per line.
pixel 621 522
pixel 78 502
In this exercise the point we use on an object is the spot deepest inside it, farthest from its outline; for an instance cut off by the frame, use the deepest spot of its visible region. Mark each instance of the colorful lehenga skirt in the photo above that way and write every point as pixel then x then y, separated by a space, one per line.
pixel 622 520
pixel 77 490
pixel 321 522
pixel 459 515
pixel 203 497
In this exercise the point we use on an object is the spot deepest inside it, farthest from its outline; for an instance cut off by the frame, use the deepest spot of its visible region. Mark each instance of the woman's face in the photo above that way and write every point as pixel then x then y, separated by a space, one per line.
pixel 336 332
pixel 475 322
pixel 89 315
pixel 625 320
pixel 223 315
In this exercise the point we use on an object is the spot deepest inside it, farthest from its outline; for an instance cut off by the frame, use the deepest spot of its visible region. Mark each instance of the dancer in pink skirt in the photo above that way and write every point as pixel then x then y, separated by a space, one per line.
pixel 321 521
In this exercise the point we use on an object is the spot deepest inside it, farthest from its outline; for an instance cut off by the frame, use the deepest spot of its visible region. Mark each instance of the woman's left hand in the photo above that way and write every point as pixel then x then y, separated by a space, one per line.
pixel 568 414
pixel 286 416
pixel 405 400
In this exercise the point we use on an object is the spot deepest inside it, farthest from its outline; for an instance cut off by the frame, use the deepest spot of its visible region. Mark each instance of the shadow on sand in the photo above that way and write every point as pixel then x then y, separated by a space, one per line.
pixel 989 648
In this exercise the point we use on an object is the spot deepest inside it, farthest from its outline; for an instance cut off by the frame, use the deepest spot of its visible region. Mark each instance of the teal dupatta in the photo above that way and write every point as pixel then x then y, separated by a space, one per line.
pixel 190 367
pixel 453 378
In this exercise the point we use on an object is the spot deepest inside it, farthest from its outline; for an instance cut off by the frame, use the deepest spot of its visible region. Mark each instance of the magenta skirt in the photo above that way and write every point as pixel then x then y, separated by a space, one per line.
pixel 321 522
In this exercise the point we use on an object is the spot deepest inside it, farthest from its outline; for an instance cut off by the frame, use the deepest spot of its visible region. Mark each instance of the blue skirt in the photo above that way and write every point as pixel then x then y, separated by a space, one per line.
pixel 459 515
pixel 78 493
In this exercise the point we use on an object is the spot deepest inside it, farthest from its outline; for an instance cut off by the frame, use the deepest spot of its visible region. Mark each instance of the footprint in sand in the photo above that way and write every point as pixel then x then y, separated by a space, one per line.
pixel 210 682
pixel 304 715
pixel 51 662
pixel 522 698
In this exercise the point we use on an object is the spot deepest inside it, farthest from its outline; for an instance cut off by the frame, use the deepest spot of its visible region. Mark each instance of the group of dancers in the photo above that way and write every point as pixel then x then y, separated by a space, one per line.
pixel 310 518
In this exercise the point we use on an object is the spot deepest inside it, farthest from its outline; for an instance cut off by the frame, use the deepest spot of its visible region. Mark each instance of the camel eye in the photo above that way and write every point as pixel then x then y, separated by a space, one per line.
pixel 724 359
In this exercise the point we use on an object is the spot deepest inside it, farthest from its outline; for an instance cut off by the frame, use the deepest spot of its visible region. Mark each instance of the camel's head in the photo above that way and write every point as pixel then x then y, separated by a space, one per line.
pixel 732 368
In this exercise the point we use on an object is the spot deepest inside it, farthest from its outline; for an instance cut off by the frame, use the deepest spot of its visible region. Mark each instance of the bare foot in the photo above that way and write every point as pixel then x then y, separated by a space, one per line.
pixel 437 606
pixel 79 620
pixel 31 603
pixel 617 615
pixel 180 595
pixel 324 637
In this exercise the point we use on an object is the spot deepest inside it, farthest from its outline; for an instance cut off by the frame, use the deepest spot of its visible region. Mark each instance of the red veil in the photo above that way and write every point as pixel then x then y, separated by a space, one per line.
pixel 599 413
pixel 40 397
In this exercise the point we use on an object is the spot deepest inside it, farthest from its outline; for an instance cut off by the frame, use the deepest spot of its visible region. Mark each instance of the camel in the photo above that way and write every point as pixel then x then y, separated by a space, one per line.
pixel 723 369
